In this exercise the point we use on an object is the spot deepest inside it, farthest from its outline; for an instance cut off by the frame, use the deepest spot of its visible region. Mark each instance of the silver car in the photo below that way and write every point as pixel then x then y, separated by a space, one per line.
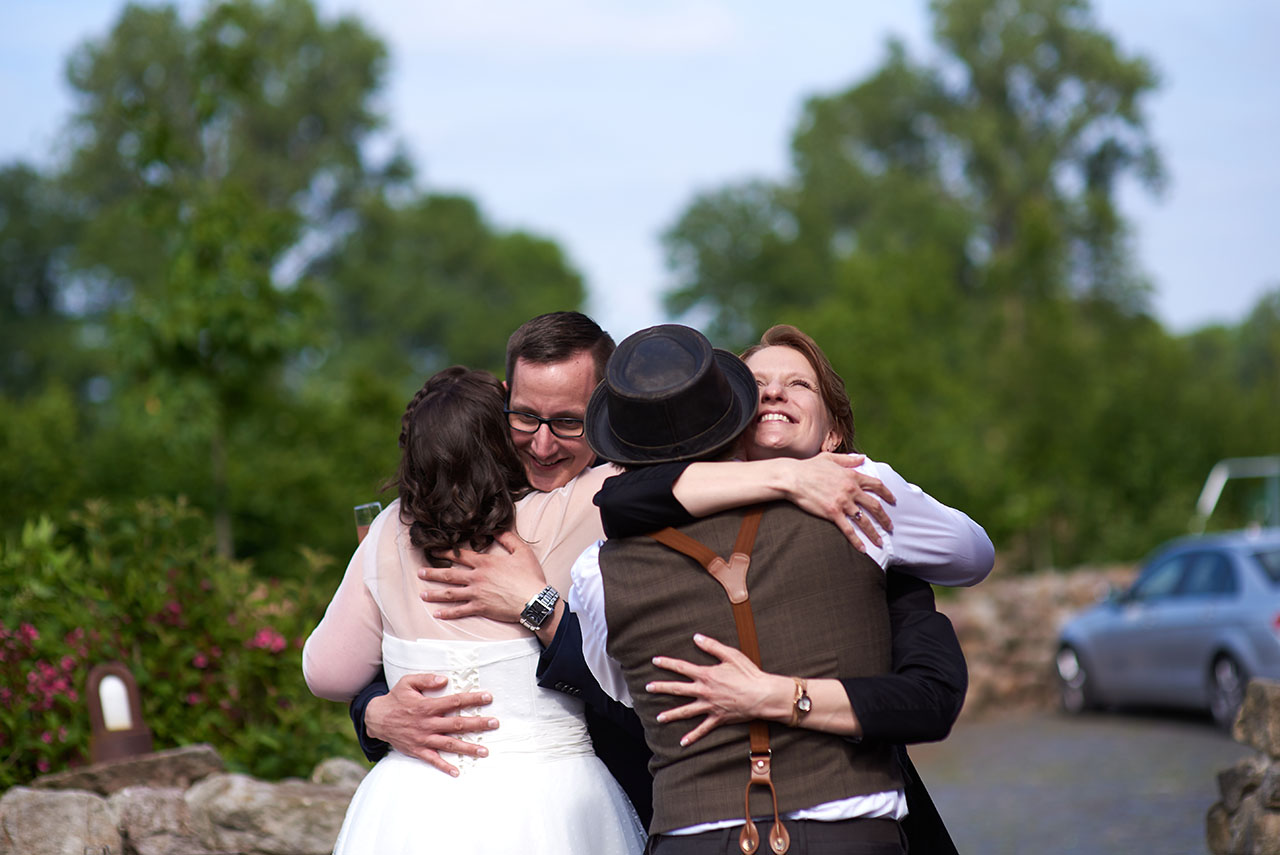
pixel 1201 620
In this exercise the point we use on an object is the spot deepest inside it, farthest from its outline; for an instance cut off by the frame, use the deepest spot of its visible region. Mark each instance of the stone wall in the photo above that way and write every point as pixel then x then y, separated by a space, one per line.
pixel 178 802
pixel 1247 819
pixel 1008 627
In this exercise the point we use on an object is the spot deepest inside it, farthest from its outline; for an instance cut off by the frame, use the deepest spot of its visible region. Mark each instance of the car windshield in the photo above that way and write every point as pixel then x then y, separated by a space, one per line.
pixel 1270 562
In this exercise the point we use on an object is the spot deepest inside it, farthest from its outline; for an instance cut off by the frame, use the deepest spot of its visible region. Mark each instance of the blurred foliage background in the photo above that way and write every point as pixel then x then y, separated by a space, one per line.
pixel 219 300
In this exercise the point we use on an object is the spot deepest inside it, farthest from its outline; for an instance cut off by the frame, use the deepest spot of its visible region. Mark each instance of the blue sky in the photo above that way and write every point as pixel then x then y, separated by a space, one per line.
pixel 595 121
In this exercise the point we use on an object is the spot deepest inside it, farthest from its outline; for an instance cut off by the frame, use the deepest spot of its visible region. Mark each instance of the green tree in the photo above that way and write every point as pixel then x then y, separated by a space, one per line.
pixel 206 155
pixel 261 96
pixel 1046 121
pixel 419 285
pixel 950 234
pixel 1018 136
pixel 242 301
pixel 38 333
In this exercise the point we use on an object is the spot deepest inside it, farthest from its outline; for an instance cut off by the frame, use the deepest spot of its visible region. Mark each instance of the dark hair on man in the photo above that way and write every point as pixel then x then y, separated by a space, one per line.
pixel 459 475
pixel 557 336
pixel 830 384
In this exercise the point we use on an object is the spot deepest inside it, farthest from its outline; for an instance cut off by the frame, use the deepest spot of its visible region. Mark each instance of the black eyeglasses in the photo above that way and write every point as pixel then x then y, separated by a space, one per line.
pixel 529 423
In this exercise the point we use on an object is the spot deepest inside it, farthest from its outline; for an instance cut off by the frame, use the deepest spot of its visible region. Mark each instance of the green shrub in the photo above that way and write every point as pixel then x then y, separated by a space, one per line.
pixel 215 650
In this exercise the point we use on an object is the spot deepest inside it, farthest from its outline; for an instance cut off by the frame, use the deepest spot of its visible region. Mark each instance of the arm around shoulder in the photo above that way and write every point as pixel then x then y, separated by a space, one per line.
pixel 641 500
pixel 931 541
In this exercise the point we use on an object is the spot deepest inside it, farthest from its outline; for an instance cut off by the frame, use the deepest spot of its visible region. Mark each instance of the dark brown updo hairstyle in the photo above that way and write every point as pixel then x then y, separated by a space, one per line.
pixel 459 475
pixel 830 384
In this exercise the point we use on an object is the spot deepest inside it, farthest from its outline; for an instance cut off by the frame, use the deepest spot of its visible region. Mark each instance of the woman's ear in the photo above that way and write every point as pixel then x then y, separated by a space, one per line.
pixel 832 442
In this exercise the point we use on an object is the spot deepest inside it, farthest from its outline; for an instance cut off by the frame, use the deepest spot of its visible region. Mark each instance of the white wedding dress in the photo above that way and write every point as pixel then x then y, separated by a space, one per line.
pixel 540 790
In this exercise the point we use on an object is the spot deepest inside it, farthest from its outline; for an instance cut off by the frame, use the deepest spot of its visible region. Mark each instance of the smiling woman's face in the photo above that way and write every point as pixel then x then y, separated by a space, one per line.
pixel 792 419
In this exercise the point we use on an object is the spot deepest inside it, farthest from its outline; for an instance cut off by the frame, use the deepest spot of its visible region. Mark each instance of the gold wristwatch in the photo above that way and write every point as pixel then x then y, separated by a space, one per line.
pixel 802 704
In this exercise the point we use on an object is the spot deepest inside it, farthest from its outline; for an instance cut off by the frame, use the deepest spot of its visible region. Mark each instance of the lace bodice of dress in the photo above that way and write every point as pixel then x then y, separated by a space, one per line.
pixel 533 719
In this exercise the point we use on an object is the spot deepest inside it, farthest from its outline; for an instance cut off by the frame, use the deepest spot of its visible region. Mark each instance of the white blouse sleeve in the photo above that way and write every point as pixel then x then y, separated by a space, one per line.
pixel 343 654
pixel 930 540
pixel 586 599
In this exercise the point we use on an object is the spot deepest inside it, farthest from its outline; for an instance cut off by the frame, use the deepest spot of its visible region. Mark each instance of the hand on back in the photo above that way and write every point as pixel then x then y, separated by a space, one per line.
pixel 495 584
pixel 422 726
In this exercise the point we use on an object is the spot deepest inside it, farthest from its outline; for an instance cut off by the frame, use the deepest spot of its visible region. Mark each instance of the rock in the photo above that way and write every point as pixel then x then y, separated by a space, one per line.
pixel 155 821
pixel 1255 830
pixel 220 814
pixel 1258 724
pixel 177 767
pixel 231 812
pixel 1247 820
pixel 1241 824
pixel 58 822
pixel 1218 830
pixel 1251 829
pixel 1240 780
pixel 1265 834
pixel 1269 788
pixel 339 772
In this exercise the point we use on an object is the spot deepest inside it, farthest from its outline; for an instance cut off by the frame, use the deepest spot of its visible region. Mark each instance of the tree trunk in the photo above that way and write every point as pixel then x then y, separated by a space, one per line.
pixel 223 540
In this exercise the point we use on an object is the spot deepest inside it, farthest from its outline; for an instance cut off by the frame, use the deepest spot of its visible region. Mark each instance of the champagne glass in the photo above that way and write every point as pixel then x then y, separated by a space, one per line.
pixel 364 518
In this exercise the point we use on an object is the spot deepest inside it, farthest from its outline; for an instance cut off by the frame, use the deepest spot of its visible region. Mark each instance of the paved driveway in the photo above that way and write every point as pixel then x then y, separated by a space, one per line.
pixel 1098 784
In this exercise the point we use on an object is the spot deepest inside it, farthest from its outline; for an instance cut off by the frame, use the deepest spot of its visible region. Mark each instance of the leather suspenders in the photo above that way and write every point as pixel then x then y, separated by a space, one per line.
pixel 732 576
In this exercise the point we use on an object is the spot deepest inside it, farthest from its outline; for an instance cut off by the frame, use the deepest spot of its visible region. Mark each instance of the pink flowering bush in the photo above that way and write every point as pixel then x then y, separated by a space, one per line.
pixel 216 650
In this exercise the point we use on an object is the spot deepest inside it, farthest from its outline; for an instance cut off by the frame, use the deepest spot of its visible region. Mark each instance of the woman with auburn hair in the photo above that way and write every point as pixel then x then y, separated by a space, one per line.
pixel 458 482
pixel 804 411
pixel 830 384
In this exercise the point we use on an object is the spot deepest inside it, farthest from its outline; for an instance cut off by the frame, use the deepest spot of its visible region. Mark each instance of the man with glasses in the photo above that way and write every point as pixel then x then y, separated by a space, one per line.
pixel 554 361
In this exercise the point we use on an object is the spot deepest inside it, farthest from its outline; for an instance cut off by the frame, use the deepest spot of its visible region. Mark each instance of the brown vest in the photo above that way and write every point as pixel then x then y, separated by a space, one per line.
pixel 820 611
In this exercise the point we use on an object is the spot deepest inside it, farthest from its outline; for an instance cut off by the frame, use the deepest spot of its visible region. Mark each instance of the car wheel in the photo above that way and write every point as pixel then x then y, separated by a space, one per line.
pixel 1227 682
pixel 1074 688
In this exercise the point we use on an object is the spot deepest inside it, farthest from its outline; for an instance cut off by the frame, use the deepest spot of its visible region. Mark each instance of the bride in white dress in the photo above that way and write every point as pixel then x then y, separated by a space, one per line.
pixel 541 788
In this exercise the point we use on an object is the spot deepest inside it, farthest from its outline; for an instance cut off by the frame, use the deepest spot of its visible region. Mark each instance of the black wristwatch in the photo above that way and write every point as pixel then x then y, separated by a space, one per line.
pixel 537 610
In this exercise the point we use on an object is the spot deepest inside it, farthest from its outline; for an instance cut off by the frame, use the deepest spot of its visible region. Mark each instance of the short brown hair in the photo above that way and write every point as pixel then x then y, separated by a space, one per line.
pixel 830 384
pixel 557 336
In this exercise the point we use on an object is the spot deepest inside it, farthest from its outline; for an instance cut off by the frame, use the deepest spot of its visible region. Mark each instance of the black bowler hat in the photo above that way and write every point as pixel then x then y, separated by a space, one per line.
pixel 667 395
